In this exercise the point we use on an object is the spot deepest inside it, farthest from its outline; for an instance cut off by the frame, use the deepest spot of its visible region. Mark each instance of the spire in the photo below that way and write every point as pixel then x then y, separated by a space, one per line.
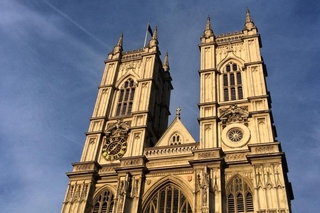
pixel 118 47
pixel 154 41
pixel 208 35
pixel 249 25
pixel 165 64
pixel 208 31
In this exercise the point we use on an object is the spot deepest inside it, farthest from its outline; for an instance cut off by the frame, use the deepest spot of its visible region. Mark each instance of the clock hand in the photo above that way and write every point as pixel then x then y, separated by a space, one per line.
pixel 113 148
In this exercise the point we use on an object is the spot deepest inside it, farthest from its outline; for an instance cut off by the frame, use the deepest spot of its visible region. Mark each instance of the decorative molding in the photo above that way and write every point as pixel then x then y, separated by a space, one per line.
pixel 83 167
pixel 211 154
pixel 92 140
pixel 167 151
pixel 173 172
pixel 265 149
pixel 108 169
pixel 168 163
pixel 207 75
pixel 236 157
pixel 133 162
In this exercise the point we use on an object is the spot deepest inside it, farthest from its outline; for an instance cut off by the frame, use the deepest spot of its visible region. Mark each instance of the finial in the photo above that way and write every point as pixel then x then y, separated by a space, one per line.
pixel 208 31
pixel 155 34
pixel 165 64
pixel 249 25
pixel 248 16
pixel 119 43
pixel 178 112
pixel 208 25
pixel 154 41
pixel 118 47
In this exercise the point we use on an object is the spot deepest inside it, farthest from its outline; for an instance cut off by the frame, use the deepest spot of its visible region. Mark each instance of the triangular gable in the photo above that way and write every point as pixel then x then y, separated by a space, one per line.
pixel 176 134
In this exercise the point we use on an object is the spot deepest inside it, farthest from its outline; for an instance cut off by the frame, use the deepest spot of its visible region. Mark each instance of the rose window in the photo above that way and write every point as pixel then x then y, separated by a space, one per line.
pixel 235 134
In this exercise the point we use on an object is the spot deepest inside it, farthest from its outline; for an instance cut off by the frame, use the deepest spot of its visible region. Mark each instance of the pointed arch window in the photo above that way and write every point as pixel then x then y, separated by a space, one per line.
pixel 168 199
pixel 104 203
pixel 232 82
pixel 125 98
pixel 239 196
pixel 175 139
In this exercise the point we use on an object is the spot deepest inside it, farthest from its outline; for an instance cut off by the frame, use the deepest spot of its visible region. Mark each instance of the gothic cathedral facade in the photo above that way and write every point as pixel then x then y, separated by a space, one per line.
pixel 133 162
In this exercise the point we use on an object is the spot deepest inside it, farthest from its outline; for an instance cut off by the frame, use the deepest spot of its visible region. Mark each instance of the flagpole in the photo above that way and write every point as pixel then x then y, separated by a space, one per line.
pixel 145 38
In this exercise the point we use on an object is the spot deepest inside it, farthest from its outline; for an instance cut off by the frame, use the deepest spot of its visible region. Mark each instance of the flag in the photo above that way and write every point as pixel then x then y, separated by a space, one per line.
pixel 150 30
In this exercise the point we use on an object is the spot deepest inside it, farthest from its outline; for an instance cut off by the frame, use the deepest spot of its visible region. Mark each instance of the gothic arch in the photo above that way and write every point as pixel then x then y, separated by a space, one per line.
pixel 231 79
pixel 247 180
pixel 169 181
pixel 123 78
pixel 239 194
pixel 124 95
pixel 228 59
pixel 104 200
pixel 176 138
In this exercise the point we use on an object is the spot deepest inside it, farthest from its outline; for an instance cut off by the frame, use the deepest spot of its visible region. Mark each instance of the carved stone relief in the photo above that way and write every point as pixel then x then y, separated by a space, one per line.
pixel 268 176
pixel 234 114
pixel 77 192
pixel 130 66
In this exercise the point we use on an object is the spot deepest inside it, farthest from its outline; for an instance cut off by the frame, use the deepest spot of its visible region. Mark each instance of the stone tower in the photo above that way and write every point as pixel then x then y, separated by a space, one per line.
pixel 133 162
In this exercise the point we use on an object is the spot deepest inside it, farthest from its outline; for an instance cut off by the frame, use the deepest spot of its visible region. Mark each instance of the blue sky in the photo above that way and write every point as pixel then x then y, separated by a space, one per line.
pixel 51 62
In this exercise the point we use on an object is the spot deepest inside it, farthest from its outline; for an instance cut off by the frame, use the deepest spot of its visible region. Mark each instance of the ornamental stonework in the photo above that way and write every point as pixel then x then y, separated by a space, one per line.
pixel 77 192
pixel 234 114
pixel 83 167
pixel 134 162
pixel 207 155
pixel 265 149
pixel 236 157
pixel 169 151
pixel 168 163
pixel 108 169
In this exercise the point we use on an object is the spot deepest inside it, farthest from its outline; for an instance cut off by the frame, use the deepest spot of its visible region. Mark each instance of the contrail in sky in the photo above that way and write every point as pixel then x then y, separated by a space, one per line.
pixel 76 24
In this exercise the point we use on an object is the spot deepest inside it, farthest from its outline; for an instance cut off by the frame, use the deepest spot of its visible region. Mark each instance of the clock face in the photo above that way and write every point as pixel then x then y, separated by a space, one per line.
pixel 114 149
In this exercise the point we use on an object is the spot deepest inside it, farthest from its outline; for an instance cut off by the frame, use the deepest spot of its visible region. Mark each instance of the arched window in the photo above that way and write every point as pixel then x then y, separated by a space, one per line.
pixel 125 100
pixel 169 199
pixel 104 202
pixel 175 139
pixel 239 196
pixel 232 82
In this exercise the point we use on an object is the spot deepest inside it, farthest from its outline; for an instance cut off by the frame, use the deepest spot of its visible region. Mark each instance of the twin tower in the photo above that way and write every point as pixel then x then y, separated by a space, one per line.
pixel 133 162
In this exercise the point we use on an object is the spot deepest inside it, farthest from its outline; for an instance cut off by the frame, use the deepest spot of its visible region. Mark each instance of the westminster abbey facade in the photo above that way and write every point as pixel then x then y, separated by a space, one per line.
pixel 133 162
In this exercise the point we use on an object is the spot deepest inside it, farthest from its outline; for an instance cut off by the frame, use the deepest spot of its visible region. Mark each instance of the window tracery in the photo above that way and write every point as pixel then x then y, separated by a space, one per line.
pixel 232 82
pixel 239 196
pixel 168 199
pixel 125 98
pixel 104 202
pixel 176 139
